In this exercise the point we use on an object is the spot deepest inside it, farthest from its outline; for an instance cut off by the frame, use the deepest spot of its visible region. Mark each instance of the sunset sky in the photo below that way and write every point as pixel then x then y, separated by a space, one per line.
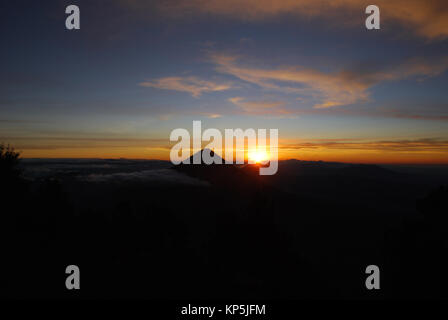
pixel 136 70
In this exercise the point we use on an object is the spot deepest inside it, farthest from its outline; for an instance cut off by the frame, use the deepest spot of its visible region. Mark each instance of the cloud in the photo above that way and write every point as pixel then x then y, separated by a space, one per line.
pixel 260 107
pixel 386 112
pixel 192 85
pixel 165 176
pixel 39 142
pixel 414 115
pixel 15 121
pixel 331 89
pixel 417 145
pixel 428 18
pixel 210 115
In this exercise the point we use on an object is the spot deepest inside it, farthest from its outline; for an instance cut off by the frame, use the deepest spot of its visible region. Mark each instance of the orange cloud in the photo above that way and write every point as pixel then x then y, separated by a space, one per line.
pixel 424 151
pixel 192 85
pixel 210 115
pixel 332 88
pixel 418 145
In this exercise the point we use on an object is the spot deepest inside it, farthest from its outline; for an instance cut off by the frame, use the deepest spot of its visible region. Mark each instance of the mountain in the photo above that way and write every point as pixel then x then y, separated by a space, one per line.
pixel 233 177
pixel 200 155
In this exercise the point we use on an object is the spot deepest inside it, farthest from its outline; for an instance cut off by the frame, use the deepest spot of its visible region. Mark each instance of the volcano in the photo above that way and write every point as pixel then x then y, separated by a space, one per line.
pixel 225 175
pixel 200 155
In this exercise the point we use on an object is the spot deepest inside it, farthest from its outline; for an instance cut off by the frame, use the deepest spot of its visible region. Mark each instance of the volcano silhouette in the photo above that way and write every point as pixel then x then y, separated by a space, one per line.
pixel 229 175
pixel 200 156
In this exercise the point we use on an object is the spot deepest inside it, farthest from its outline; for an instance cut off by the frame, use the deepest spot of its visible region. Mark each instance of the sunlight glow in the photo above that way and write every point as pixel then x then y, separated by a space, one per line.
pixel 258 156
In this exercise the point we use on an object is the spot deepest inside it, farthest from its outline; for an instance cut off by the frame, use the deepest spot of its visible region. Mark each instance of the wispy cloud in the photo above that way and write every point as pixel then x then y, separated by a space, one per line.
pixel 192 85
pixel 15 121
pixel 428 18
pixel 416 145
pixel 388 112
pixel 331 89
pixel 76 142
pixel 210 115
pixel 260 107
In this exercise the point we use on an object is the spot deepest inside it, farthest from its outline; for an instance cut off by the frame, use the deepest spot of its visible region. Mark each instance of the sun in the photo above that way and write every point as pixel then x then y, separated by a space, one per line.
pixel 258 156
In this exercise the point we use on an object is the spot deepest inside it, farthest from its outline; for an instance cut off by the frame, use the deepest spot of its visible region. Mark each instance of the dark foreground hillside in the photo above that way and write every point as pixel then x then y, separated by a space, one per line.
pixel 143 229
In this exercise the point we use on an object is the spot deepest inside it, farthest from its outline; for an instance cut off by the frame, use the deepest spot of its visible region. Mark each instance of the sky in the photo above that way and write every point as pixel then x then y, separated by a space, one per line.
pixel 136 70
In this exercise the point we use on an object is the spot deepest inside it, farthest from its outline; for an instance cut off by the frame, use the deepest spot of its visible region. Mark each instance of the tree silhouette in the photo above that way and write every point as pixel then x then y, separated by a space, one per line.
pixel 12 188
pixel 9 160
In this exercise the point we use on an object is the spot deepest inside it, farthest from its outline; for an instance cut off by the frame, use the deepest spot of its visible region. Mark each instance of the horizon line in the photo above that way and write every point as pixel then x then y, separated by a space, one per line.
pixel 280 160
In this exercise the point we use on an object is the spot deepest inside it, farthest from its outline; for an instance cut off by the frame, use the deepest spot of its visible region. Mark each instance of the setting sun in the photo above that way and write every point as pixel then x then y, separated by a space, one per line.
pixel 258 156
